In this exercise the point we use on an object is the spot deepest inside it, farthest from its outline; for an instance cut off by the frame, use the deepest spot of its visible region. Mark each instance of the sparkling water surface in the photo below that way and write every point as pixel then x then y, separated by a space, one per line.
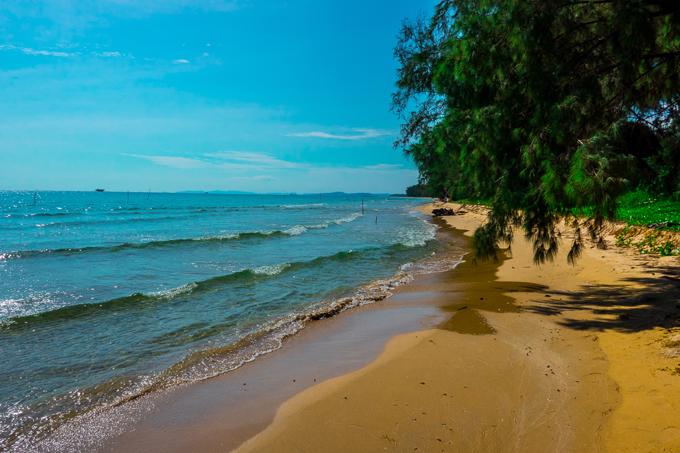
pixel 106 295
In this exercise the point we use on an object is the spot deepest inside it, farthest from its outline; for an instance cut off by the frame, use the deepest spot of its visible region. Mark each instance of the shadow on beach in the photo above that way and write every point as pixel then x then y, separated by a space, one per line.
pixel 643 303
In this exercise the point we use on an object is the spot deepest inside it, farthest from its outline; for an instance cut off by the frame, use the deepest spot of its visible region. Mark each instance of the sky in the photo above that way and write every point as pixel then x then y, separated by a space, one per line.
pixel 171 95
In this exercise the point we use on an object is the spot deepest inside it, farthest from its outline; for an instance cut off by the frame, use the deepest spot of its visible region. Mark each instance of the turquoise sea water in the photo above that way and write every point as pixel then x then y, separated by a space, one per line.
pixel 105 296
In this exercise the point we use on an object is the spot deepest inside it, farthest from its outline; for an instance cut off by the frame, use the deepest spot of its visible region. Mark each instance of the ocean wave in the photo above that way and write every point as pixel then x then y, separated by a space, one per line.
pixel 212 362
pixel 119 211
pixel 8 307
pixel 174 292
pixel 49 214
pixel 129 245
pixel 299 229
pixel 105 221
pixel 32 303
pixel 122 215
pixel 40 214
pixel 151 210
pixel 302 206
pixel 209 363
pixel 295 230
pixel 348 219
pixel 193 288
pixel 275 269
pixel 416 237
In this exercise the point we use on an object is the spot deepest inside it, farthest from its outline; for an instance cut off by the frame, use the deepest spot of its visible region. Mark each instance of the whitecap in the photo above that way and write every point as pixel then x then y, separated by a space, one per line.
pixel 174 292
pixel 274 269
pixel 304 205
pixel 416 237
pixel 296 230
pixel 348 219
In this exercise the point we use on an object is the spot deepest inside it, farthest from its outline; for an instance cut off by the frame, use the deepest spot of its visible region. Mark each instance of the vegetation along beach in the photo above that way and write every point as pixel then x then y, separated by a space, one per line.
pixel 261 226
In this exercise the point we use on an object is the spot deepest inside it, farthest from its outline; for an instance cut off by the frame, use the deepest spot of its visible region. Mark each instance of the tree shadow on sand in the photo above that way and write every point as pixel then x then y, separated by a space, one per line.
pixel 639 304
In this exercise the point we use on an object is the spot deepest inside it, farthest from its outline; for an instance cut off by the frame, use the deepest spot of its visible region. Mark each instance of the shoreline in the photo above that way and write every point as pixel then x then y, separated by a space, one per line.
pixel 487 356
pixel 334 342
pixel 243 315
pixel 587 363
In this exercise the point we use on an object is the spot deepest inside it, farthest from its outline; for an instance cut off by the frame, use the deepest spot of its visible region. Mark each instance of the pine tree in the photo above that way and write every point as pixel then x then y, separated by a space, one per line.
pixel 536 104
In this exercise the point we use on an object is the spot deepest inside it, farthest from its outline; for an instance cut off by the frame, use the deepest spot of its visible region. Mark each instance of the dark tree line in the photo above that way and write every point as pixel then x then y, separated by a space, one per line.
pixel 418 190
pixel 542 106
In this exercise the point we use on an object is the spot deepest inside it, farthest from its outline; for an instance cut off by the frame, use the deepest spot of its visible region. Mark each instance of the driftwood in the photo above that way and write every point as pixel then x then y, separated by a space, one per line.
pixel 439 212
pixel 660 225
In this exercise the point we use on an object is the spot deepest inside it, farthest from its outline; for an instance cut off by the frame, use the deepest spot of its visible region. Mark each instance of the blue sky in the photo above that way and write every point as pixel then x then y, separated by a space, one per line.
pixel 166 95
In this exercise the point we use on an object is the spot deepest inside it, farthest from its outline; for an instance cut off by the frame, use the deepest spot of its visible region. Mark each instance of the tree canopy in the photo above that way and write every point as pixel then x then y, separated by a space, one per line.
pixel 542 106
pixel 418 190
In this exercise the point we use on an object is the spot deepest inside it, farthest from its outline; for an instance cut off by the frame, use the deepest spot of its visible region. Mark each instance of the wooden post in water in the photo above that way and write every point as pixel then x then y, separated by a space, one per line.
pixel 362 206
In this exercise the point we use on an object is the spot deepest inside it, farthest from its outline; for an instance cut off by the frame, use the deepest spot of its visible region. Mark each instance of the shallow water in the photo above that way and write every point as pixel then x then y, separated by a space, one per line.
pixel 106 296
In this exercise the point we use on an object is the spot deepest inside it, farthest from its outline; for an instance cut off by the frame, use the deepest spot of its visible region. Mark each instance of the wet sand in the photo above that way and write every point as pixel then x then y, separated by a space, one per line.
pixel 580 358
pixel 221 413
pixel 494 356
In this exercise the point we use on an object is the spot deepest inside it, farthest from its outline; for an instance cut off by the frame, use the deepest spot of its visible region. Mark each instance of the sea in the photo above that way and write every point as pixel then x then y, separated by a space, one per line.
pixel 106 296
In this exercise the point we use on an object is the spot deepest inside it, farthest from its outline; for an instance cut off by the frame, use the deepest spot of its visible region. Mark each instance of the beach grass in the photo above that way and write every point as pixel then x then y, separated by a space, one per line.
pixel 641 208
pixel 652 221
pixel 636 208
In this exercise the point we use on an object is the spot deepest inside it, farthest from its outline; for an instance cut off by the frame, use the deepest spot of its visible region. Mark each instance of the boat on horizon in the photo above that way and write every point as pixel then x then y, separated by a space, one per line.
pixel 99 190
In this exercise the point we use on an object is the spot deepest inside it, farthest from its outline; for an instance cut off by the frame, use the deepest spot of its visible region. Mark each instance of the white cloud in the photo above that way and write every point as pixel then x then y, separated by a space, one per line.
pixel 200 173
pixel 58 53
pixel 80 13
pixel 148 7
pixel 46 53
pixel 358 134
pixel 249 158
pixel 37 52
pixel 223 160
pixel 253 178
pixel 180 61
pixel 380 167
pixel 173 161
pixel 247 161
pixel 114 54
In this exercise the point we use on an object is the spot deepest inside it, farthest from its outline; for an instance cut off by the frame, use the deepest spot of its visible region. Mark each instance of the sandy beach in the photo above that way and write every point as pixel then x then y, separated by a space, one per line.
pixel 582 358
pixel 338 227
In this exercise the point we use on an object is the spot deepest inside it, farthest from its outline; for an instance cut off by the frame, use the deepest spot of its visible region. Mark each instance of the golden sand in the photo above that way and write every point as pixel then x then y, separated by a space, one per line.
pixel 580 358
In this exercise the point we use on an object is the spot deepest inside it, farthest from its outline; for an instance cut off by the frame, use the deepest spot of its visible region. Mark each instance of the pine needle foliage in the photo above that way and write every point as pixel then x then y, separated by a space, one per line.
pixel 542 106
